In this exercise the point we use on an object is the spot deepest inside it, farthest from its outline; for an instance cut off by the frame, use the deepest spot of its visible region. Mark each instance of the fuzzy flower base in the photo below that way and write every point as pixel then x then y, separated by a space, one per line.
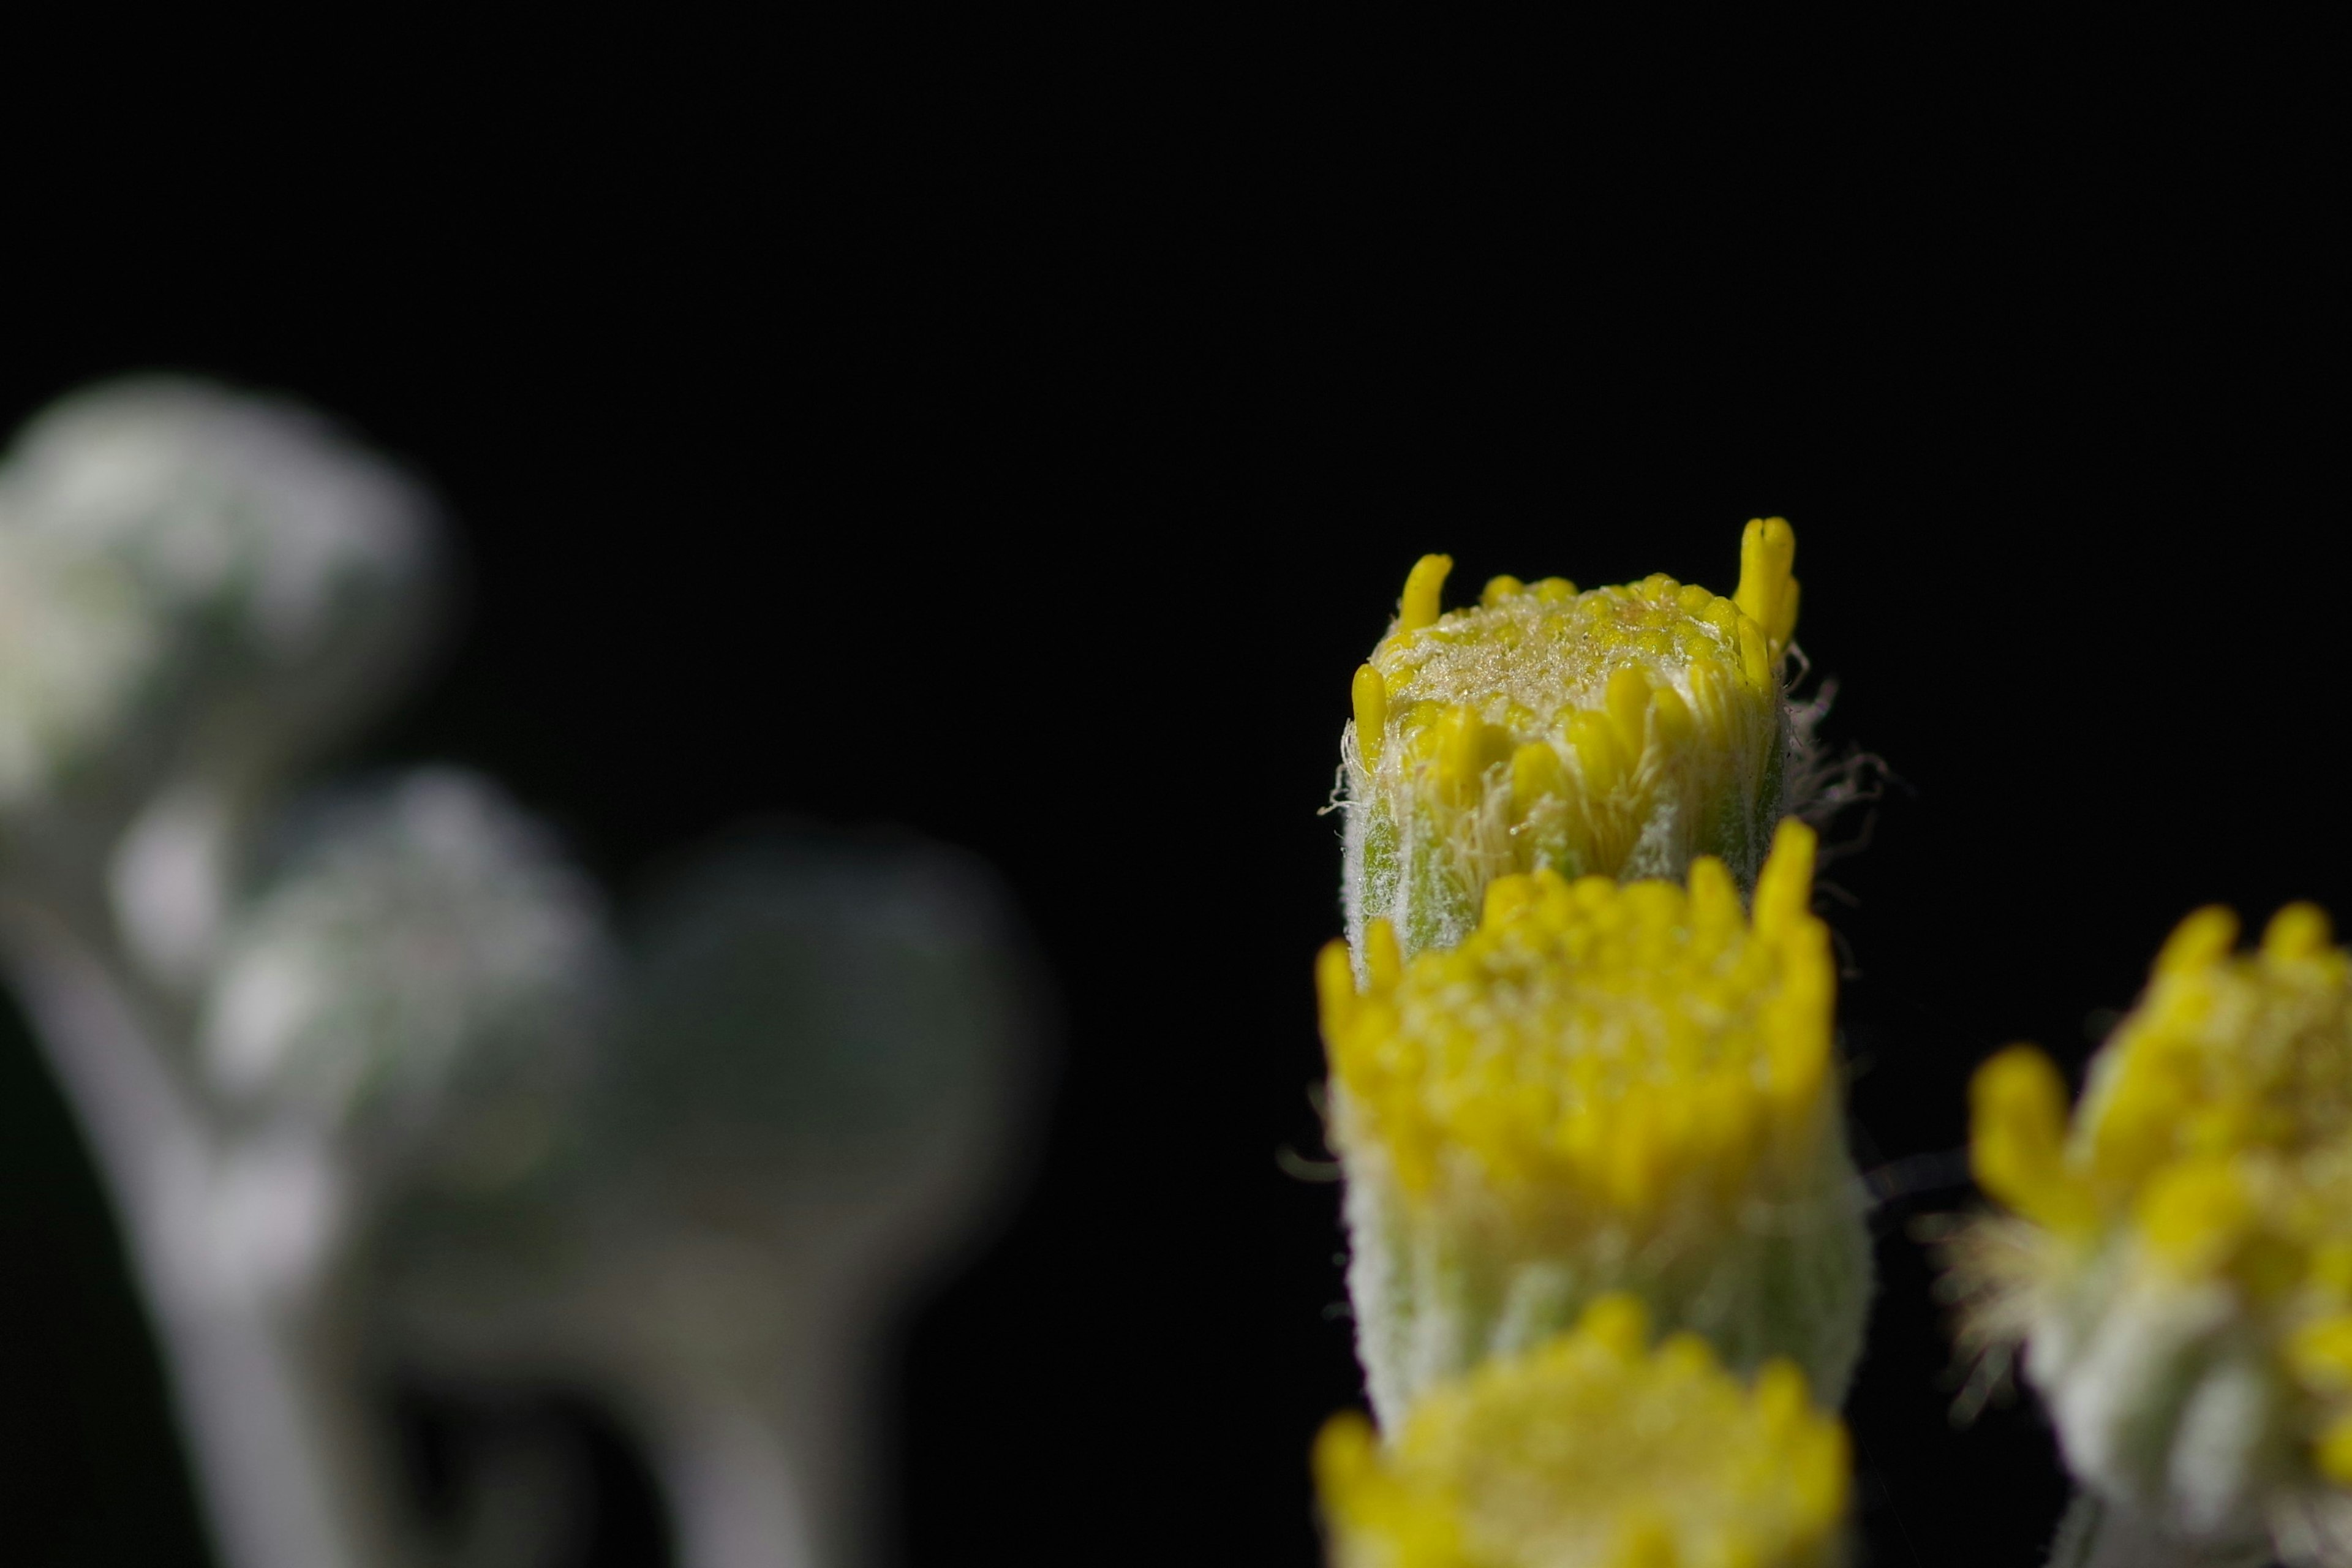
pixel 1603 1088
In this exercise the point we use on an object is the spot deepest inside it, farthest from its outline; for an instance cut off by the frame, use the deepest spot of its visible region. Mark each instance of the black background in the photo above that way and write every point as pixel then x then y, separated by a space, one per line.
pixel 1023 438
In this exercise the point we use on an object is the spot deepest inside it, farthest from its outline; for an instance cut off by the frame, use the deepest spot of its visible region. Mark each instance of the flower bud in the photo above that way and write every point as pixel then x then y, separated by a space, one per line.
pixel 1603 1087
pixel 2177 1258
pixel 418 981
pixel 282 574
pixel 1617 732
pixel 218 586
pixel 1593 1450
pixel 251 517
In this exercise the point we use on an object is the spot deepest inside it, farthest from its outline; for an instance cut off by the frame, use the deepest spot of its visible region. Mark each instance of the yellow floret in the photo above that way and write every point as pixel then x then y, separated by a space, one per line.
pixel 2219 1112
pixel 1594 1450
pixel 1617 732
pixel 1603 1086
pixel 1599 1051
pixel 2206 1177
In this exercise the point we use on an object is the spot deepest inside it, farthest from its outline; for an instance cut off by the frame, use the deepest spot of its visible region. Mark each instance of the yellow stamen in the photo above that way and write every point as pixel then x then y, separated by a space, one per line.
pixel 1467 747
pixel 1498 589
pixel 1370 694
pixel 1768 593
pixel 2204 937
pixel 1536 775
pixel 2018 1136
pixel 1419 607
pixel 1593 1449
pixel 1628 705
pixel 2297 932
pixel 1598 1050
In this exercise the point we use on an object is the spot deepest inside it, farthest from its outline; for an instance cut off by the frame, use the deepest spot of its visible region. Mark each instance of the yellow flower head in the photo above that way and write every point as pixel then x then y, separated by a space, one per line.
pixel 1594 1450
pixel 1603 1086
pixel 2180 1262
pixel 1617 732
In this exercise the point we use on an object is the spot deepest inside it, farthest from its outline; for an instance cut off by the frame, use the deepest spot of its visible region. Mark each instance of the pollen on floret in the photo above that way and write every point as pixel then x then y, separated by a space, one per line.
pixel 1620 732
pixel 1593 1447
pixel 1596 1052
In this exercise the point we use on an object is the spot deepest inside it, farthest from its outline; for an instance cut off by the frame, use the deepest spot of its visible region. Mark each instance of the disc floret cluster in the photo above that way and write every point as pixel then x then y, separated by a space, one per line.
pixel 2177 1255
pixel 1618 732
pixel 1601 1447
pixel 1583 1079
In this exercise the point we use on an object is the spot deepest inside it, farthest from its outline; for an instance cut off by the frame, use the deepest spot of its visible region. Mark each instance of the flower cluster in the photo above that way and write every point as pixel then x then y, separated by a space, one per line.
pixel 2177 1258
pixel 1596 1448
pixel 1602 1087
pixel 1582 1077
pixel 229 571
pixel 1619 732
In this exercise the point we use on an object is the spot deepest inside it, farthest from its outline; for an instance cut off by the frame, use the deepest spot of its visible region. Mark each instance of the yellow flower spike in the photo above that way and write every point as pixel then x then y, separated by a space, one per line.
pixel 1423 584
pixel 1601 1087
pixel 1591 1449
pixel 1603 762
pixel 2297 932
pixel 1369 695
pixel 1671 717
pixel 1627 702
pixel 1768 593
pixel 2180 1262
pixel 1384 963
pixel 2197 942
pixel 2017 1135
pixel 1345 1453
pixel 1536 775
pixel 1714 897
pixel 1756 663
pixel 1784 894
pixel 1459 755
pixel 1659 701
